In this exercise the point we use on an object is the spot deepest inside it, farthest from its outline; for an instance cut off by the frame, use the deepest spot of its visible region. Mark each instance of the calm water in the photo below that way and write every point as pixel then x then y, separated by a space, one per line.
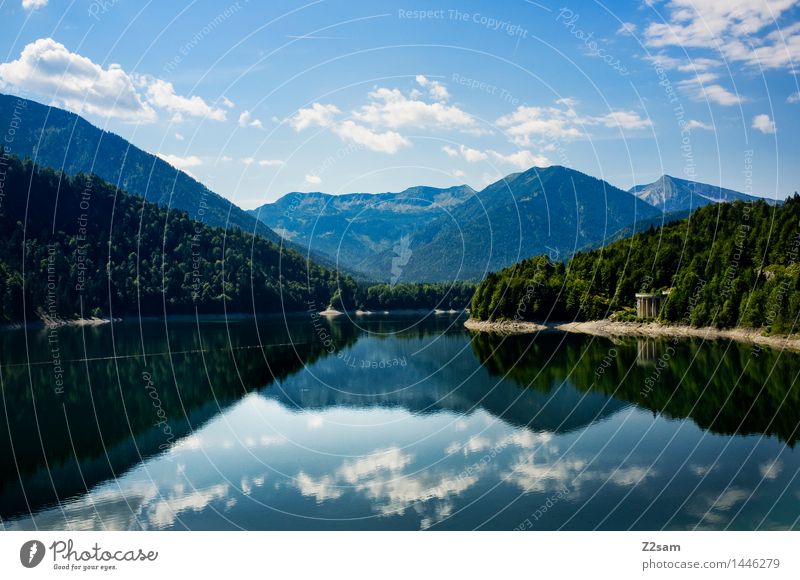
pixel 391 424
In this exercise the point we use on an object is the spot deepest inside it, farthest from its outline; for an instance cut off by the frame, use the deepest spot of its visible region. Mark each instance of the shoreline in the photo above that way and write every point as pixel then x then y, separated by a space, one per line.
pixel 610 328
pixel 48 322
pixel 229 317
pixel 504 326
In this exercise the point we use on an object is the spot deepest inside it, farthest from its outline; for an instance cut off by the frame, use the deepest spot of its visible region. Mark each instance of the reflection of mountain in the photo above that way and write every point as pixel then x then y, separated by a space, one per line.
pixel 107 419
pixel 424 386
pixel 725 390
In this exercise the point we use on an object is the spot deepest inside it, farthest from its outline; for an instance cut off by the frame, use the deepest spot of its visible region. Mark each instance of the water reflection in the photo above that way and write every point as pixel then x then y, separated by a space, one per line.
pixel 471 431
pixel 722 386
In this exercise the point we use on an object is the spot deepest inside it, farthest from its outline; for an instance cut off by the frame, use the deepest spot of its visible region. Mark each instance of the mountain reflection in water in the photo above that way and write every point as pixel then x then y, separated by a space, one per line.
pixel 399 425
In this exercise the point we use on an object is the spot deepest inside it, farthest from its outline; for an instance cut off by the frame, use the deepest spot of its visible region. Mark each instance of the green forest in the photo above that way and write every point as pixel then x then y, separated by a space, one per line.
pixel 727 265
pixel 79 247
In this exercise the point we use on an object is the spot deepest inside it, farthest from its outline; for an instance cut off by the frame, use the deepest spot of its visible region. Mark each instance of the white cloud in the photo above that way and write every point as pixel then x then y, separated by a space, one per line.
pixel 470 155
pixel 387 142
pixel 313 179
pixel 227 102
pixel 270 162
pixel 702 87
pixel 178 137
pixel 33 4
pixel 698 23
pixel 316 115
pixel 764 124
pixel 628 120
pixel 162 94
pixel 693 124
pixel 693 65
pixel 248 160
pixel 374 125
pixel 436 90
pixel 627 29
pixel 522 159
pixel 47 68
pixel 529 123
pixel 392 109
pixel 457 173
pixel 733 26
pixel 182 163
pixel 246 119
pixel 718 94
pixel 793 98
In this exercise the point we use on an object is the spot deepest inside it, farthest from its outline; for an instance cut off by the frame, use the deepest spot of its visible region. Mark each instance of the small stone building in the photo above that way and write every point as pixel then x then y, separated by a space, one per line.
pixel 648 305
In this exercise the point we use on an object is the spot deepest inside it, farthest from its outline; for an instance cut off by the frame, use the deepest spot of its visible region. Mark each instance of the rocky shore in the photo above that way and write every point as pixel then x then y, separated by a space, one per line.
pixel 611 328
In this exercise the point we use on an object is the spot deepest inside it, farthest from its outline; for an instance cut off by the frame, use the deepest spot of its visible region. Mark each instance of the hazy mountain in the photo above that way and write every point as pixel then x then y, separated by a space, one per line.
pixel 554 210
pixel 352 229
pixel 63 140
pixel 672 194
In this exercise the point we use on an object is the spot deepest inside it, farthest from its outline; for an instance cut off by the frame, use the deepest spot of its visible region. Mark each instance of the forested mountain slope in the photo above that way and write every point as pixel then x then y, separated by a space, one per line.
pixel 731 264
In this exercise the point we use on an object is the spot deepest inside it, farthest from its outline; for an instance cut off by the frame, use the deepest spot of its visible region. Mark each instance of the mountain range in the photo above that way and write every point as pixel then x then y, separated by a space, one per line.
pixel 352 229
pixel 430 234
pixel 63 140
pixel 418 234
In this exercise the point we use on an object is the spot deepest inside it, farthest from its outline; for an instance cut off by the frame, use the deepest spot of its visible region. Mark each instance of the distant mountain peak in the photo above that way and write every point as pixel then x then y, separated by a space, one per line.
pixel 670 194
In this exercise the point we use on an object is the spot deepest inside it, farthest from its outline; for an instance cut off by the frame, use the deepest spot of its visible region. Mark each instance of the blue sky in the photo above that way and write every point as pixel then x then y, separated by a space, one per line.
pixel 257 99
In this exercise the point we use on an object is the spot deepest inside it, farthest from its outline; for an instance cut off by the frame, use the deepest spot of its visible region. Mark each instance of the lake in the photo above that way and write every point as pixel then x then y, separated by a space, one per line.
pixel 390 422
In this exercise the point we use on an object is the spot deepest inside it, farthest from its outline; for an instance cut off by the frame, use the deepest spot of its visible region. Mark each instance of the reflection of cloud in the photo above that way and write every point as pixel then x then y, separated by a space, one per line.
pixel 771 469
pixel 353 473
pixel 379 477
pixel 127 505
pixel 730 498
pixel 531 476
pixel 322 489
pixel 528 439
pixel 627 476
pixel 167 510
pixel 315 421
pixel 476 443
pixel 391 459
pixel 712 509
pixel 395 495
pixel 454 447
pixel 701 470
pixel 544 471
pixel 247 484
pixel 524 439
pixel 189 442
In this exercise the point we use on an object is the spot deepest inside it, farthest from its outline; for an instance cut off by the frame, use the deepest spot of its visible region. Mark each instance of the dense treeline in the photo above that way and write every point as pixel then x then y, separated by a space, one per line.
pixel 79 247
pixel 454 296
pixel 732 264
